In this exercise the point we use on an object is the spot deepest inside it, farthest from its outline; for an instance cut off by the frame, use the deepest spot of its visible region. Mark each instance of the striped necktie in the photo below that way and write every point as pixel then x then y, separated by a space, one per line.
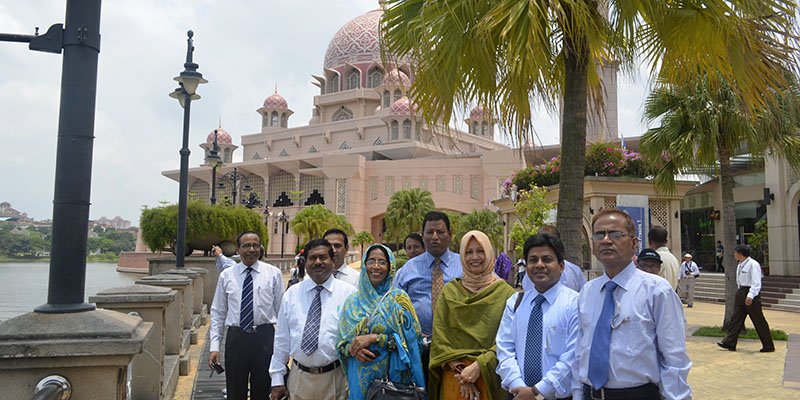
pixel 310 340
pixel 533 344
pixel 437 282
pixel 601 341
pixel 246 312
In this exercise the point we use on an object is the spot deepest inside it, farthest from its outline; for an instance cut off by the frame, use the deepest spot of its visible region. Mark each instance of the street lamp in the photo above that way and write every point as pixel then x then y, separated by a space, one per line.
pixel 188 80
pixel 215 160
pixel 284 220
pixel 235 178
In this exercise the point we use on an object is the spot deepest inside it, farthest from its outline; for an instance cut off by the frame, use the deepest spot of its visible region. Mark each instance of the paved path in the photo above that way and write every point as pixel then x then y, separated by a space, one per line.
pixel 716 373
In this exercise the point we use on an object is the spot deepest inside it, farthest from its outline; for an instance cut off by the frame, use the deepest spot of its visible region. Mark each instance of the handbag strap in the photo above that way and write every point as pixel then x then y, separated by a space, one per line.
pixel 377 306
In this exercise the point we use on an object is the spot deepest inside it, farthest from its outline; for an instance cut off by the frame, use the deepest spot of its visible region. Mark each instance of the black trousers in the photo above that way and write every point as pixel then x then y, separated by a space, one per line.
pixel 247 357
pixel 740 311
pixel 425 357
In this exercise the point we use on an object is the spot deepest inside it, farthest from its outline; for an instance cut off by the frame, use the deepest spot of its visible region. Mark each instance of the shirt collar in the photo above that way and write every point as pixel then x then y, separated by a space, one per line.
pixel 622 278
pixel 310 284
pixel 445 259
pixel 343 270
pixel 550 295
pixel 255 267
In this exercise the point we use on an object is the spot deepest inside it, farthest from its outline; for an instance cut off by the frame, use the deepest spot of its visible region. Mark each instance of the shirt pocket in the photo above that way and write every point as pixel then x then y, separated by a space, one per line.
pixel 556 340
pixel 264 298
pixel 632 337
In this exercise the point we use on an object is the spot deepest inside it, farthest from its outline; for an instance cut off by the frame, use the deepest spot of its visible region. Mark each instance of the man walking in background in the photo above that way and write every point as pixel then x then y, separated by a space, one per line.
pixel 657 239
pixel 689 272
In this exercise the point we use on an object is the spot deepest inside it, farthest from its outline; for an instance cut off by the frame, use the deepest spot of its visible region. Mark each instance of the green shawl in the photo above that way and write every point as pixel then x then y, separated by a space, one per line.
pixel 465 326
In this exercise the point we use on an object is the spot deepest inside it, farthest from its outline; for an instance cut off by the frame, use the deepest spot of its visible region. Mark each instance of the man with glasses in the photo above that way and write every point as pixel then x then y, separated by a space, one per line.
pixel 630 344
pixel 247 300
pixel 649 261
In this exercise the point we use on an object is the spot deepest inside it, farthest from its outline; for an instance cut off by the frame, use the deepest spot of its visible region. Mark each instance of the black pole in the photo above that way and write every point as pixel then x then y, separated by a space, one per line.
pixel 180 243
pixel 67 284
pixel 214 172
pixel 235 180
pixel 282 235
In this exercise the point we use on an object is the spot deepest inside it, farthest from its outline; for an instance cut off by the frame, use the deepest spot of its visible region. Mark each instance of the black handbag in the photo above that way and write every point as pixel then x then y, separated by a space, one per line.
pixel 384 389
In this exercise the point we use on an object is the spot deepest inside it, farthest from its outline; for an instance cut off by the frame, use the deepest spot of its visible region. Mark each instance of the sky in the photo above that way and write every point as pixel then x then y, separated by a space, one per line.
pixel 244 49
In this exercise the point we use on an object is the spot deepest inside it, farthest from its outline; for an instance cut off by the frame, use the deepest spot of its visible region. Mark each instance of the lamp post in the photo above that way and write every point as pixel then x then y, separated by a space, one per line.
pixel 215 160
pixel 188 80
pixel 284 220
pixel 234 178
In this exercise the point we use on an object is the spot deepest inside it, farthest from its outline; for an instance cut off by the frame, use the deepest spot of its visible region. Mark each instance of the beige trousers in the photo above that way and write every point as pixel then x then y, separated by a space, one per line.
pixel 330 385
pixel 686 289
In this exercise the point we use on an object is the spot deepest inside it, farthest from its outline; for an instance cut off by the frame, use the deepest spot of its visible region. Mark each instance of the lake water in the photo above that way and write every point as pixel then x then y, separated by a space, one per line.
pixel 23 286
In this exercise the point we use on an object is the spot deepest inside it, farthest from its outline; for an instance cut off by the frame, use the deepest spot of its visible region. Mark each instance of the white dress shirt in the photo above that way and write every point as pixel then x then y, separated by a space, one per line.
pixel 292 322
pixel 572 277
pixel 559 330
pixel 345 274
pixel 647 336
pixel 689 269
pixel 748 273
pixel 669 266
pixel 267 294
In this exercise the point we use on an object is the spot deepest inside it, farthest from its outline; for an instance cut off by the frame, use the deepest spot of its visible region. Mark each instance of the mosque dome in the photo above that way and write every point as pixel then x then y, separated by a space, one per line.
pixel 276 101
pixel 396 77
pixel 357 42
pixel 478 112
pixel 403 106
pixel 222 137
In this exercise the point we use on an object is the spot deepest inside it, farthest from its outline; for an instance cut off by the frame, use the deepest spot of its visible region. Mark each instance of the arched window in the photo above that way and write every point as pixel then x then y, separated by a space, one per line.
pixel 334 84
pixel 407 129
pixel 226 156
pixel 475 128
pixel 484 128
pixel 375 78
pixel 417 131
pixel 395 129
pixel 284 120
pixel 273 119
pixel 387 99
pixel 265 121
pixel 397 94
pixel 352 79
pixel 342 114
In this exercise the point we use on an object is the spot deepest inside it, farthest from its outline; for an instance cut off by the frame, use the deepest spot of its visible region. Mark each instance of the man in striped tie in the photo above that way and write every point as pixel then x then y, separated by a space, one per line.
pixel 308 325
pixel 247 301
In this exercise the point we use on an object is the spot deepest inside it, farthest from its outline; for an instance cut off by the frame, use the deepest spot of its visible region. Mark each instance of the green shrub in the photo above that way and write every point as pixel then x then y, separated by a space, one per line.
pixel 716 331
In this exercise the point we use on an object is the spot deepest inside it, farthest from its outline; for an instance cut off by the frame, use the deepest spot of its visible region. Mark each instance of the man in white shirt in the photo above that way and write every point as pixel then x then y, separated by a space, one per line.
pixel 338 239
pixel 689 272
pixel 308 325
pixel 536 337
pixel 630 343
pixel 246 301
pixel 657 239
pixel 572 277
pixel 747 302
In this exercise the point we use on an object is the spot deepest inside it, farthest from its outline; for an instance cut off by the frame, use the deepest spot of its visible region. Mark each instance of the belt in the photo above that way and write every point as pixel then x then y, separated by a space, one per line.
pixel 254 329
pixel 649 390
pixel 319 370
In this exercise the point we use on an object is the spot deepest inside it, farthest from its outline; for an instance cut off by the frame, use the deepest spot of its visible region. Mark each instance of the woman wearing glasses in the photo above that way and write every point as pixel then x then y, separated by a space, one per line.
pixel 465 322
pixel 378 331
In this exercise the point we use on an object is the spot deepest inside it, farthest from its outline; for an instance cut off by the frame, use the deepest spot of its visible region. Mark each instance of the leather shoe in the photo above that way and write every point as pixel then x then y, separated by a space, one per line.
pixel 726 347
pixel 765 350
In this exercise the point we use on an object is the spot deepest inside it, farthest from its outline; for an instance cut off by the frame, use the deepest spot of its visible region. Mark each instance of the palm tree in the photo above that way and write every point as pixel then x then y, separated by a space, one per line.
pixel 405 212
pixel 486 221
pixel 362 238
pixel 702 125
pixel 311 222
pixel 506 53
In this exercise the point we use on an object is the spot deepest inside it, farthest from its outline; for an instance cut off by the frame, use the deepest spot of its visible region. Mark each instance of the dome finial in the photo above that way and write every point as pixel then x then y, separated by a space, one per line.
pixel 276 88
pixel 220 123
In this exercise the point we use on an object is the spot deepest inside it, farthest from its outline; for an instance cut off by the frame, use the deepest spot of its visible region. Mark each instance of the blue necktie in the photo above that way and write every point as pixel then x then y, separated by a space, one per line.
pixel 533 344
pixel 601 341
pixel 246 312
pixel 310 339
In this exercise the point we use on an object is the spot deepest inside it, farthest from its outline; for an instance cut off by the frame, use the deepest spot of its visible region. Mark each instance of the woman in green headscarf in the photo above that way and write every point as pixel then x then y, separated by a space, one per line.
pixel 378 329
pixel 465 323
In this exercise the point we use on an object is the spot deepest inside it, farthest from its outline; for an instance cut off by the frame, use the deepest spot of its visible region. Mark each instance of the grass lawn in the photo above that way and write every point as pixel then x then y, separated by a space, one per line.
pixel 716 331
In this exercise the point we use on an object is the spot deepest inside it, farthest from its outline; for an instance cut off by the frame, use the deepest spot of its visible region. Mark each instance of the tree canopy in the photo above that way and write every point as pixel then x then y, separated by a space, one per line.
pixel 405 212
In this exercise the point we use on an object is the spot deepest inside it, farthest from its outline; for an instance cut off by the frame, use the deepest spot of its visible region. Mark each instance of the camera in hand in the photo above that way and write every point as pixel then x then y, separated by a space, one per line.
pixel 217 368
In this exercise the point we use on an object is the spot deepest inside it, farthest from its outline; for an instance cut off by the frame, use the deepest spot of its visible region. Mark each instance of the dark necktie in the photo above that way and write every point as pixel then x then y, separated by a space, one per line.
pixel 533 344
pixel 601 341
pixel 310 339
pixel 246 312
pixel 437 282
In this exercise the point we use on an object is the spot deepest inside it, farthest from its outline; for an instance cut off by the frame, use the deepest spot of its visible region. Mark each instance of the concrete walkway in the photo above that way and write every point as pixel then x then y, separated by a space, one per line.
pixel 716 373
pixel 745 374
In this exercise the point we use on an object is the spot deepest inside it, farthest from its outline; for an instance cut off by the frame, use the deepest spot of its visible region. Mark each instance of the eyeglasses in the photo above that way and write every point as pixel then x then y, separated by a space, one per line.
pixel 613 235
pixel 248 246
pixel 372 262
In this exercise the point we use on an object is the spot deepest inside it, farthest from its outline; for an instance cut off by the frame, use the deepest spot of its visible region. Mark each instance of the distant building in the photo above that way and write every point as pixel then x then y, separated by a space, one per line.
pixel 10 213
pixel 117 223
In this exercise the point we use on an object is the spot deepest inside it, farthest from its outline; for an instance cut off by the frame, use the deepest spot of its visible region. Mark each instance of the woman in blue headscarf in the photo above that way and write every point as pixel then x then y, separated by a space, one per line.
pixel 378 329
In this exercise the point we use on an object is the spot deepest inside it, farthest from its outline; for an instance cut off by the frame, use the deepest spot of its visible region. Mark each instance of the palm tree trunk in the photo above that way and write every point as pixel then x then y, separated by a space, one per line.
pixel 573 150
pixel 728 231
